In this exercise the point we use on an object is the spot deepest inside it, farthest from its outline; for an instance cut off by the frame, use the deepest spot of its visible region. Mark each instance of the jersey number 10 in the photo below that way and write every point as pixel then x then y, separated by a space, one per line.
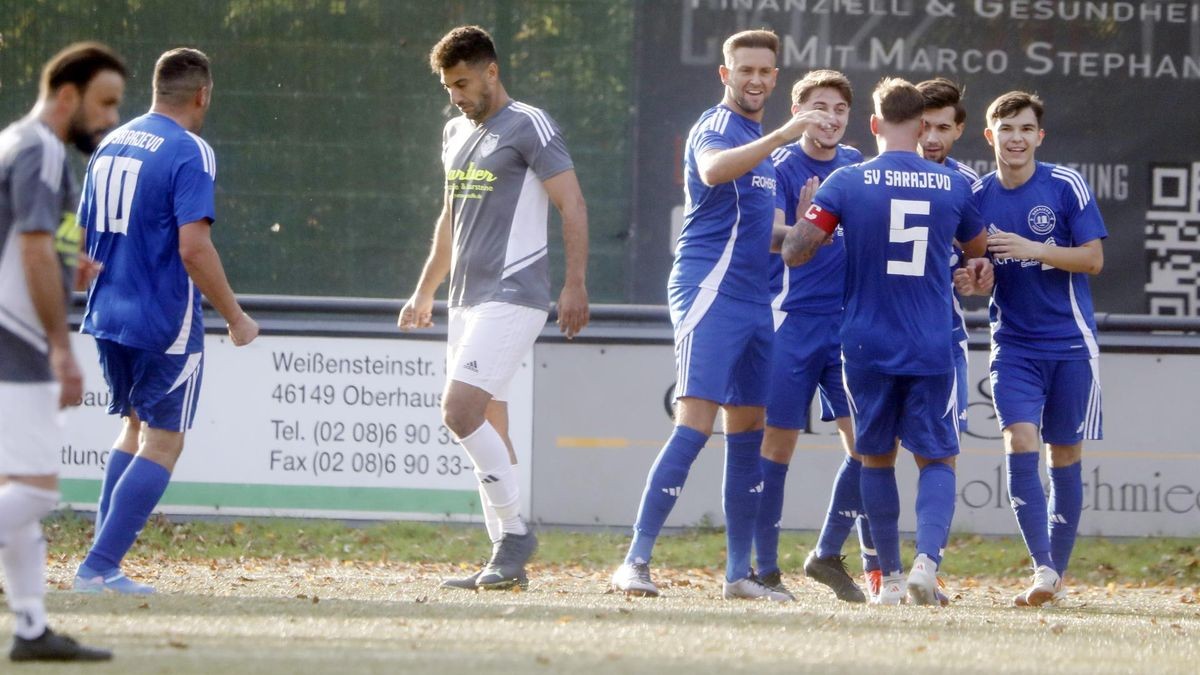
pixel 918 236
pixel 115 179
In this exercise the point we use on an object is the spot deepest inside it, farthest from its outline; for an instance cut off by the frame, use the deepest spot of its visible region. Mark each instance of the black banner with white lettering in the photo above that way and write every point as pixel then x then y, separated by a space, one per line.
pixel 1121 82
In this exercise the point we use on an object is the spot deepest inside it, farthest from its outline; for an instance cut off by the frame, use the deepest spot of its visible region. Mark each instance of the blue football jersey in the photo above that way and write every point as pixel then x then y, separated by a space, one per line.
pixel 1038 311
pixel 956 256
pixel 147 179
pixel 726 238
pixel 900 215
pixel 817 286
pixel 963 170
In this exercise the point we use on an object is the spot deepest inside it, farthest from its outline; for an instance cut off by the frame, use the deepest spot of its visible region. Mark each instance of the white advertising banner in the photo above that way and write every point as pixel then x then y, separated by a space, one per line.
pixel 307 426
pixel 596 443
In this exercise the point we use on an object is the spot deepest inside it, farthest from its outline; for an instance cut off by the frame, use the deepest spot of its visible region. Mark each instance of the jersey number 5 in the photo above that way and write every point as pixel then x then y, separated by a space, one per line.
pixel 918 236
pixel 115 179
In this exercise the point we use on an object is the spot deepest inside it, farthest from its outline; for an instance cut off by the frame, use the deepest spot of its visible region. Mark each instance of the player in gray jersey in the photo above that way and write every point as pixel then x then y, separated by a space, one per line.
pixel 79 93
pixel 505 162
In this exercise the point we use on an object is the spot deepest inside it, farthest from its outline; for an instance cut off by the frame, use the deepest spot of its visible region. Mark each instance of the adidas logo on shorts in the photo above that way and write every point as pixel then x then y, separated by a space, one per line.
pixel 488 479
pixel 673 491
pixel 471 366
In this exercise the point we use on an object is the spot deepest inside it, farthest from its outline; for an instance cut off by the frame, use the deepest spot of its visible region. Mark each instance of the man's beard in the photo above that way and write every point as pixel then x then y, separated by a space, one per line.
pixel 84 140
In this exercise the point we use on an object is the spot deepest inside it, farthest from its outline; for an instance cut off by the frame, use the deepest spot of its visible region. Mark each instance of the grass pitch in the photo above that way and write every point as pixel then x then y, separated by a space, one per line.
pixel 280 609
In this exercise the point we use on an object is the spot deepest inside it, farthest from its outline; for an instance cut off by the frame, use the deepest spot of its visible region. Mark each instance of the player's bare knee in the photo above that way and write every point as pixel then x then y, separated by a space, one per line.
pixel 1065 455
pixel 461 418
pixel 1021 437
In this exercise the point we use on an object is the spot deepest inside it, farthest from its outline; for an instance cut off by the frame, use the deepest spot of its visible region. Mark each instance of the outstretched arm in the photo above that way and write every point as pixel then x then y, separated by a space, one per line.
pixel 722 166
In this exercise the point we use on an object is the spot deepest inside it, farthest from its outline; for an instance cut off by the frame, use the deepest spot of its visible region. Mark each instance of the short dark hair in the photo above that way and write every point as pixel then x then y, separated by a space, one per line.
pixel 897 100
pixel 822 79
pixel 179 73
pixel 752 39
pixel 940 93
pixel 77 64
pixel 1007 105
pixel 470 44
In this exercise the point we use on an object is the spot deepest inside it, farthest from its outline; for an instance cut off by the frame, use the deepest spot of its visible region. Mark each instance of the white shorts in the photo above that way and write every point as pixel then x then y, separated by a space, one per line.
pixel 486 343
pixel 31 429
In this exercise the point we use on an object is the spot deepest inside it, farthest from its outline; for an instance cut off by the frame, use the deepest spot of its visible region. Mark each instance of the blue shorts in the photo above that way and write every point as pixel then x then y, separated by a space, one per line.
pixel 161 388
pixel 722 347
pixel 806 357
pixel 962 386
pixel 920 410
pixel 1062 398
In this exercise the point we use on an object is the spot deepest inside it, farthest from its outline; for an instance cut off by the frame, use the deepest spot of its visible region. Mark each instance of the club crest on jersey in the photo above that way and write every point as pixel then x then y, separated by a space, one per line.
pixel 488 144
pixel 1041 219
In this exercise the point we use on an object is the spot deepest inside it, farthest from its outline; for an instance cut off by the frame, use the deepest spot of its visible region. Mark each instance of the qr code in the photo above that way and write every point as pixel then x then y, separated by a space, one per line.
pixel 1173 240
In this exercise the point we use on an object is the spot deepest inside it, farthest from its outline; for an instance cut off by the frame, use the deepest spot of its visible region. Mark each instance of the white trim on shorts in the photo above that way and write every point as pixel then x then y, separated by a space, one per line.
pixel 486 343
pixel 31 429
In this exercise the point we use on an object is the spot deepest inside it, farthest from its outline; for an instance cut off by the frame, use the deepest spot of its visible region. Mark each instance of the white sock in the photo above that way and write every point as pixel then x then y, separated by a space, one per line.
pixel 491 519
pixel 496 476
pixel 24 559
pixel 21 504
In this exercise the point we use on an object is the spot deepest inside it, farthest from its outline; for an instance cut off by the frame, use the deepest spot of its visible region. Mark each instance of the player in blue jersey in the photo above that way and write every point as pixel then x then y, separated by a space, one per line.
pixel 720 308
pixel 79 95
pixel 944 119
pixel 900 216
pixel 1045 236
pixel 147 213
pixel 806 354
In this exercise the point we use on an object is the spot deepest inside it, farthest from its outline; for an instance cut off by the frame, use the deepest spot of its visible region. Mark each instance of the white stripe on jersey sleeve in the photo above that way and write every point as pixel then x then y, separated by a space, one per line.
pixel 53 153
pixel 722 121
pixel 977 186
pixel 545 132
pixel 1078 185
pixel 206 154
pixel 966 172
pixel 780 155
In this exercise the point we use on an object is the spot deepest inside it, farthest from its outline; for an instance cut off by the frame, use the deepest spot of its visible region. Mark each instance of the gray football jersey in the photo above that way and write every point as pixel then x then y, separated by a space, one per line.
pixel 37 189
pixel 494 175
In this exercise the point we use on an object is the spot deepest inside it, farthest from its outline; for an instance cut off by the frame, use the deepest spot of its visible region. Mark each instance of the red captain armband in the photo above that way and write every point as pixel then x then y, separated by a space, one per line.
pixel 826 221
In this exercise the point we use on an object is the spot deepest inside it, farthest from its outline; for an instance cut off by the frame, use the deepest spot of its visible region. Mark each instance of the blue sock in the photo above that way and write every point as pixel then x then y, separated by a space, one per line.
pixel 935 509
pixel 1029 504
pixel 866 544
pixel 663 486
pixel 770 512
pixel 881 501
pixel 844 506
pixel 742 490
pixel 133 500
pixel 1066 503
pixel 118 461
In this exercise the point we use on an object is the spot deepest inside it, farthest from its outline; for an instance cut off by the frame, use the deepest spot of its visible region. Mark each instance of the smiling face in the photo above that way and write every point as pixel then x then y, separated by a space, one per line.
pixel 471 88
pixel 833 102
pixel 940 133
pixel 1015 138
pixel 749 77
